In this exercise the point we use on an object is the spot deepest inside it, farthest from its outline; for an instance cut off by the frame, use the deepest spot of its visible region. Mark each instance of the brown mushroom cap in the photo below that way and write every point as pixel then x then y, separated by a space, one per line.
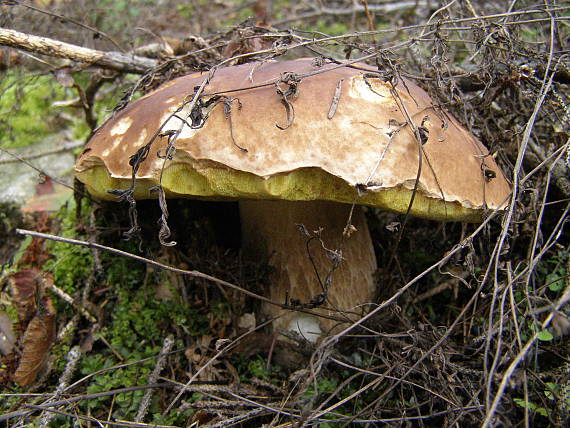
pixel 365 153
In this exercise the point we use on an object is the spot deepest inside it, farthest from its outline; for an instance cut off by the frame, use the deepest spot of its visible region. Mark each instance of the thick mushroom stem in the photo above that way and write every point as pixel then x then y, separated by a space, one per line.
pixel 270 230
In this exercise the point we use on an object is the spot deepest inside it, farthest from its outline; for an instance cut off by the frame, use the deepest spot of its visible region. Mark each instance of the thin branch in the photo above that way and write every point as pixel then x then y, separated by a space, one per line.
pixel 45 406
pixel 66 148
pixel 41 172
pixel 193 273
pixel 377 8
pixel 145 402
pixel 55 48
pixel 520 357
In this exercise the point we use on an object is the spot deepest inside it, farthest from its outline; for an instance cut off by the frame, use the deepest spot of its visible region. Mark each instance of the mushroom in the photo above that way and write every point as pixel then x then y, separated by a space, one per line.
pixel 302 145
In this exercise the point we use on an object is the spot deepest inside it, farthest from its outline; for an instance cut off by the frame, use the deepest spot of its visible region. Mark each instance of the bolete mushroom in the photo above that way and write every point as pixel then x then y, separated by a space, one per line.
pixel 301 145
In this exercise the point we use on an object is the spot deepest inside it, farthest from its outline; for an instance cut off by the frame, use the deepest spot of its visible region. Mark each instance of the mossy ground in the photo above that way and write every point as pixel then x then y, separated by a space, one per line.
pixel 27 114
pixel 23 104
pixel 133 321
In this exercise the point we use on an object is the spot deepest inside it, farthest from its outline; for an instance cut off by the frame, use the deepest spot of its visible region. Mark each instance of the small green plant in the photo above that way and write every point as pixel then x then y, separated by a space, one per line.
pixel 133 320
pixel 555 272
pixel 254 367
pixel 258 369
pixel 545 336
pixel 542 411
pixel 324 386
pixel 558 395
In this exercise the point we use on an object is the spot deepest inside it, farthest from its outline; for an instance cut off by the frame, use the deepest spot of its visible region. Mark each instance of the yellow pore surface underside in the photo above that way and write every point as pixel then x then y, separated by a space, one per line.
pixel 214 183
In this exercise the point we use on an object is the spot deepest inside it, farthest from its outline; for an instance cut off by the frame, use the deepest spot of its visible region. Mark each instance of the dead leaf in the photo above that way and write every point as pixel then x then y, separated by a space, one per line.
pixel 222 343
pixel 202 417
pixel 24 286
pixel 37 340
pixel 49 198
pixel 36 253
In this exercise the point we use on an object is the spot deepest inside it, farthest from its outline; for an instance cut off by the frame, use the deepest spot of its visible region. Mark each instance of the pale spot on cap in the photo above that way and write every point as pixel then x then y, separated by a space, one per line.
pixel 142 138
pixel 373 90
pixel 121 126
pixel 116 142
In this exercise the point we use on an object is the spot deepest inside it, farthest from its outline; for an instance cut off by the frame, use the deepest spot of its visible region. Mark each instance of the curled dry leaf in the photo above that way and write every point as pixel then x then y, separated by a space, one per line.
pixel 37 340
pixel 202 417
pixel 24 286
pixel 199 355
pixel 244 42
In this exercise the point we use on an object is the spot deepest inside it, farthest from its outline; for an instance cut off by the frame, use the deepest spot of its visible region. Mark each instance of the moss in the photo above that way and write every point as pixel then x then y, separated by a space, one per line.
pixel 139 320
pixel 70 265
pixel 135 330
pixel 126 404
pixel 26 112
pixel 135 326
pixel 134 321
pixel 23 103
